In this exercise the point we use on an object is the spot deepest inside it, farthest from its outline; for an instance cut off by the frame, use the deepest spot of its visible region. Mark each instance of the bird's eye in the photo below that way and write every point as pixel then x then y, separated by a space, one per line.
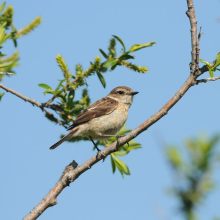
pixel 120 92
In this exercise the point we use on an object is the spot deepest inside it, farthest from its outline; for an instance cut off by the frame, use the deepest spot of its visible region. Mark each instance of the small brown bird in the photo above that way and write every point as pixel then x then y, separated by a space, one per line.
pixel 104 118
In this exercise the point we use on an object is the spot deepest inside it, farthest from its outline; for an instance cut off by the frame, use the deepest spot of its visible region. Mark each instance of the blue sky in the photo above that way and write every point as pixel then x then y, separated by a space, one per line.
pixel 76 30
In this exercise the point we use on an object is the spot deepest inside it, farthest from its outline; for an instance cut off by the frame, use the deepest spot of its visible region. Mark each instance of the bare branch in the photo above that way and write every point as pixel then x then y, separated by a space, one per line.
pixel 197 48
pixel 2 73
pixel 206 80
pixel 193 22
pixel 32 101
pixel 38 104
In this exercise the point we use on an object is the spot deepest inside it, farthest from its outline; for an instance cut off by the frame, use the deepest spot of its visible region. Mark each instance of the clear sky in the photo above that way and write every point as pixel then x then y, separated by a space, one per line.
pixel 76 30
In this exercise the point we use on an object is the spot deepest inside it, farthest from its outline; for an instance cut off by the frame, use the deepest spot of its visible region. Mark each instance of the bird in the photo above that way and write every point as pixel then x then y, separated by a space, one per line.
pixel 103 119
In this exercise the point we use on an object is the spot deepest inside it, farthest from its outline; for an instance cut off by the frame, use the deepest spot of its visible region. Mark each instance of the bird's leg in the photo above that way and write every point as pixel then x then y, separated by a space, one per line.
pixel 96 147
pixel 94 144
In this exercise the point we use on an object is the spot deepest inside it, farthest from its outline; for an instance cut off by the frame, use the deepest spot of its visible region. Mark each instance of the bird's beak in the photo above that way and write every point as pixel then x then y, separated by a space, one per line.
pixel 133 93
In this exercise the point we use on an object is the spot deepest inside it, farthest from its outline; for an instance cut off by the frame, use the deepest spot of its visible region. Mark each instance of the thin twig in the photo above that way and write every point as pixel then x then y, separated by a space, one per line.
pixel 2 73
pixel 206 80
pixel 38 104
pixel 32 101
pixel 197 48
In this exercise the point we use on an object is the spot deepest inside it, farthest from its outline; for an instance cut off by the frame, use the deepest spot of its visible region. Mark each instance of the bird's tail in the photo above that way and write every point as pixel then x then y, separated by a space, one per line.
pixel 63 139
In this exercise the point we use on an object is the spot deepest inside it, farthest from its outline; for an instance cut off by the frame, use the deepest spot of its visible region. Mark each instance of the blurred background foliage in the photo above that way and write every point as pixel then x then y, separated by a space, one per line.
pixel 193 167
pixel 8 31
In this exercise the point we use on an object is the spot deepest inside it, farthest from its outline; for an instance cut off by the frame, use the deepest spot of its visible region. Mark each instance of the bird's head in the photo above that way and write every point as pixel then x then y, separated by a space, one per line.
pixel 123 94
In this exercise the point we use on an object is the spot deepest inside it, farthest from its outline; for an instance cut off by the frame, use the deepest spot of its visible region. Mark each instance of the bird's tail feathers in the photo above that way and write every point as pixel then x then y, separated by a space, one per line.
pixel 64 139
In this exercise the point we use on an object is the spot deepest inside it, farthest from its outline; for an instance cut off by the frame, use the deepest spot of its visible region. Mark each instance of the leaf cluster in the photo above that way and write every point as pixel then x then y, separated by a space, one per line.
pixel 214 68
pixel 8 31
pixel 193 171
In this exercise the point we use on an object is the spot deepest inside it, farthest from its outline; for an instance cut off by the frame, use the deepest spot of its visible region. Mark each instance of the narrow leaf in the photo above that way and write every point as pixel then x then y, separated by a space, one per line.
pixel 1 95
pixel 110 62
pixel 121 153
pixel 2 7
pixel 103 53
pixel 126 57
pixel 217 63
pixel 101 78
pixel 140 46
pixel 120 41
pixel 211 73
pixel 121 165
pixel 113 67
pixel 203 61
pixel 45 86
pixel 113 164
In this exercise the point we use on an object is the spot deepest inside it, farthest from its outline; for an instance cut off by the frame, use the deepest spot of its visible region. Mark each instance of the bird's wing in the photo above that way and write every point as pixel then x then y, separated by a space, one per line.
pixel 102 107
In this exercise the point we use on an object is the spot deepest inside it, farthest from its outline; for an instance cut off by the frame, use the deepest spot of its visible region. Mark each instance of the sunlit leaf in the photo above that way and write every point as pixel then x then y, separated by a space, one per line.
pixel 203 61
pixel 121 153
pixel 140 46
pixel 45 86
pixel 121 165
pixel 2 7
pixel 217 63
pixel 211 73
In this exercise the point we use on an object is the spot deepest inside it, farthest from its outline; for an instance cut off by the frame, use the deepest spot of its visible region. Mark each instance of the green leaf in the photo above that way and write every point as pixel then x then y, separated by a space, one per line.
pixel 70 99
pixel 207 63
pixel 2 7
pixel 5 38
pixel 45 86
pixel 103 53
pixel 121 153
pixel 120 41
pixel 101 78
pixel 1 95
pixel 126 57
pixel 121 165
pixel 110 62
pixel 140 46
pixel 217 63
pixel 113 164
pixel 113 67
pixel 48 91
pixel 211 73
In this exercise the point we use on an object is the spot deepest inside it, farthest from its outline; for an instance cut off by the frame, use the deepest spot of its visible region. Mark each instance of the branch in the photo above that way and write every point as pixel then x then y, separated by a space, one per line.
pixel 71 175
pixel 206 80
pixel 26 99
pixel 2 73
pixel 193 22
pixel 38 104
